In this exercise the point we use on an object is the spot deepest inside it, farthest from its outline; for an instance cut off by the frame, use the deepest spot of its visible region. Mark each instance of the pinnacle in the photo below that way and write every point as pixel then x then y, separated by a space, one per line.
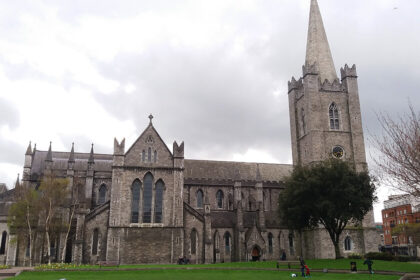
pixel 49 154
pixel 71 157
pixel 317 49
pixel 29 149
pixel 91 157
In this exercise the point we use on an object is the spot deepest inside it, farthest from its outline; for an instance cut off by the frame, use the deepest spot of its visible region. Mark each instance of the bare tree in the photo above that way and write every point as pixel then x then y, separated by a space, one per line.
pixel 77 185
pixel 399 151
pixel 54 192
pixel 24 214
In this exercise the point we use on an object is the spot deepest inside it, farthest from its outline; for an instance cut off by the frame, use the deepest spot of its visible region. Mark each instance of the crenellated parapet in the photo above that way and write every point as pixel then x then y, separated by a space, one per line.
pixel 178 150
pixel 348 72
pixel 119 148
pixel 310 69
pixel 335 86
pixel 295 85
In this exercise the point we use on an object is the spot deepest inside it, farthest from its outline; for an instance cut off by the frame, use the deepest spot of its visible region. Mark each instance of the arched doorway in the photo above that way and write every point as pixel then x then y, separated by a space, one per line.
pixel 255 254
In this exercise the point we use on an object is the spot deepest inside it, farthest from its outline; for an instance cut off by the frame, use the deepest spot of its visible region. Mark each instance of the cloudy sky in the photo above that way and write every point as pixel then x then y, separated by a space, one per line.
pixel 213 73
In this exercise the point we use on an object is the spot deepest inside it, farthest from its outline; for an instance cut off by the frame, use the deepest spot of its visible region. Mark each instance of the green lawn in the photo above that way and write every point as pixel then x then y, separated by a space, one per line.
pixel 189 274
pixel 313 264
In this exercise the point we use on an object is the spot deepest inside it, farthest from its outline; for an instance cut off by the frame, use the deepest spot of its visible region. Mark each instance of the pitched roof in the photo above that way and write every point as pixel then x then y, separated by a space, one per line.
pixel 223 219
pixel 317 48
pixel 232 171
pixel 103 162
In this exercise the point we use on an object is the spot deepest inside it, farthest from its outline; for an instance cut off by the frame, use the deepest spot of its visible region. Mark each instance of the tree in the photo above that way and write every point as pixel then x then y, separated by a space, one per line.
pixel 24 215
pixel 54 195
pixel 399 151
pixel 77 186
pixel 330 193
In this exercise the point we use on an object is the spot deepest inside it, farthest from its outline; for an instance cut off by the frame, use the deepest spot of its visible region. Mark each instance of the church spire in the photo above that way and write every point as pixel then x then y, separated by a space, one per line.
pixel 317 48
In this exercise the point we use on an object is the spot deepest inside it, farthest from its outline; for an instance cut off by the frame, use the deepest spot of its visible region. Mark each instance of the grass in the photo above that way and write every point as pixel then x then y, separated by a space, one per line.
pixel 188 274
pixel 313 264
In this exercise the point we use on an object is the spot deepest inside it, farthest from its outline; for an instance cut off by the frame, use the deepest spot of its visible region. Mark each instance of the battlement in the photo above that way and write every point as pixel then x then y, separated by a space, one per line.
pixel 119 148
pixel 178 150
pixel 348 72
pixel 295 85
pixel 335 86
pixel 310 69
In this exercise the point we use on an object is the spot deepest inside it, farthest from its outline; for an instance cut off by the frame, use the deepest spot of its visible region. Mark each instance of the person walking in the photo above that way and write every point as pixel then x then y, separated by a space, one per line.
pixel 369 264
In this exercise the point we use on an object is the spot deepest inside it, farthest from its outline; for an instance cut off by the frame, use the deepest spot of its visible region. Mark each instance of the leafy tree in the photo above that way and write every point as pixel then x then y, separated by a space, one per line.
pixel 398 160
pixel 330 193
pixel 54 196
pixel 409 230
pixel 24 215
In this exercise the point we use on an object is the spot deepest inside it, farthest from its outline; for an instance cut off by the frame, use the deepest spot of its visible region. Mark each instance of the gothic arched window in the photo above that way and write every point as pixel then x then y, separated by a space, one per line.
pixel 216 240
pixel 158 201
pixel 135 200
pixel 199 199
pixel 302 116
pixel 95 241
pixel 102 194
pixel 193 242
pixel 155 157
pixel 143 156
pixel 227 242
pixel 291 244
pixel 147 198
pixel 219 199
pixel 334 118
pixel 149 154
pixel 347 244
pixel 3 243
pixel 270 243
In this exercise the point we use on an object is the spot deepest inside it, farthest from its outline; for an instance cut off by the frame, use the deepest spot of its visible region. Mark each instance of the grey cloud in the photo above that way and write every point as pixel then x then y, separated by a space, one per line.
pixel 9 114
pixel 11 152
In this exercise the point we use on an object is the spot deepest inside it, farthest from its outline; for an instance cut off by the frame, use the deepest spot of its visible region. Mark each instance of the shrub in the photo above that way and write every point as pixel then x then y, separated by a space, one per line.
pixel 404 258
pixel 379 256
pixel 354 256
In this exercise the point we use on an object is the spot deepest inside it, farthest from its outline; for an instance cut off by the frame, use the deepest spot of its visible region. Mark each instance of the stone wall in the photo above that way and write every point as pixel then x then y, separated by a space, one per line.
pixel 149 245
pixel 99 222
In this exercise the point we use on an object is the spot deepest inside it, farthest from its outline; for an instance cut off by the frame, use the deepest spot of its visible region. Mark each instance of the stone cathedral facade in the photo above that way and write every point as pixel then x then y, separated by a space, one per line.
pixel 146 203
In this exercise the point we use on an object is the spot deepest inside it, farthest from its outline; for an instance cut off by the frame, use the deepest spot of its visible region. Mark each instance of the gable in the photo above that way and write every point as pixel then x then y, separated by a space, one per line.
pixel 149 150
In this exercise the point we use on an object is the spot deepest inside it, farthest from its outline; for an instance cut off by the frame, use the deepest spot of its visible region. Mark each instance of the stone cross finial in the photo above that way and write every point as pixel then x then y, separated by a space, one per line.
pixel 151 118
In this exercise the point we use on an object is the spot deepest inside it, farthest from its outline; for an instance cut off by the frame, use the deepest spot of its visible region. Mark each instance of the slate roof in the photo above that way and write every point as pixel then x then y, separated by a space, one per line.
pixel 3 188
pixel 6 200
pixel 194 169
pixel 103 162
pixel 223 219
pixel 234 171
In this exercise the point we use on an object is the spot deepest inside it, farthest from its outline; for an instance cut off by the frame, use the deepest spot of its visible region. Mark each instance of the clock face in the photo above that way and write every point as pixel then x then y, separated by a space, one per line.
pixel 338 152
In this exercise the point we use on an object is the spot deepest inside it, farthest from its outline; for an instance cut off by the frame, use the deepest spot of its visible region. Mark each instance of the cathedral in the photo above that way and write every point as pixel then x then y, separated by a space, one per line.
pixel 147 203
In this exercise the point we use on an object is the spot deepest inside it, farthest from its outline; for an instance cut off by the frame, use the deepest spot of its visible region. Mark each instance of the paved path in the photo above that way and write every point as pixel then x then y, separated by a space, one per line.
pixel 10 272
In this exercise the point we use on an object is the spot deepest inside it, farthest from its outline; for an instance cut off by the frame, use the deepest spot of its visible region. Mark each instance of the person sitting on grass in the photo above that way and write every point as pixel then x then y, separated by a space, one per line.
pixel 369 263
pixel 308 272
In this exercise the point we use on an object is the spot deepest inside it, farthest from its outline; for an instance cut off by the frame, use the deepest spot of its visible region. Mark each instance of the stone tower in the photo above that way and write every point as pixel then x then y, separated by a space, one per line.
pixel 325 118
pixel 325 121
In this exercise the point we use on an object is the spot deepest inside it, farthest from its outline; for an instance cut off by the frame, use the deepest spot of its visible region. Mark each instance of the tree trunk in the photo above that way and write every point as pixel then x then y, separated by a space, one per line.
pixel 337 249
pixel 30 234
pixel 47 228
pixel 63 254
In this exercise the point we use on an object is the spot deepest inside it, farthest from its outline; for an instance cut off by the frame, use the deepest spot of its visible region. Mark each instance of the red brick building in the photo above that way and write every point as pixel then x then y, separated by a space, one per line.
pixel 400 210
